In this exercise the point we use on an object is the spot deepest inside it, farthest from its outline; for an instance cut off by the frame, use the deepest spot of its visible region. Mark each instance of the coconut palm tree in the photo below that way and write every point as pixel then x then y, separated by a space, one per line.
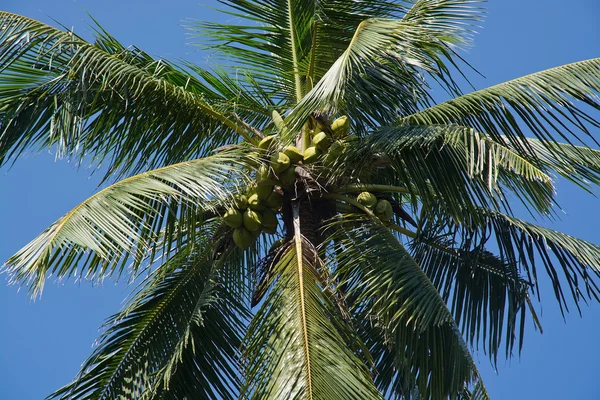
pixel 310 224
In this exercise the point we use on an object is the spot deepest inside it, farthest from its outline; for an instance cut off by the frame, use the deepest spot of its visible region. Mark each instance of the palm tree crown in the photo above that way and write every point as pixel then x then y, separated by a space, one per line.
pixel 312 225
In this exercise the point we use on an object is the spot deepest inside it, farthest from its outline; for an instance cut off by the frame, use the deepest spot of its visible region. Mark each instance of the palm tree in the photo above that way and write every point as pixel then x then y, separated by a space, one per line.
pixel 312 225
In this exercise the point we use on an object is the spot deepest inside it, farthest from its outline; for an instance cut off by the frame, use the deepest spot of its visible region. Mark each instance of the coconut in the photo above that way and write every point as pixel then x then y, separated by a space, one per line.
pixel 367 199
pixel 280 162
pixel 240 202
pixel 335 151
pixel 242 238
pixel 383 210
pixel 279 123
pixel 293 153
pixel 322 141
pixel 233 218
pixel 264 172
pixel 252 220
pixel 275 200
pixel 311 155
pixel 269 221
pixel 254 203
pixel 264 188
pixel 288 177
pixel 267 142
pixel 341 127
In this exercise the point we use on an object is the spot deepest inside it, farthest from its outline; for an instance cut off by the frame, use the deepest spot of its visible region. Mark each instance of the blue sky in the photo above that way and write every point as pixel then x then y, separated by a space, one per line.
pixel 43 343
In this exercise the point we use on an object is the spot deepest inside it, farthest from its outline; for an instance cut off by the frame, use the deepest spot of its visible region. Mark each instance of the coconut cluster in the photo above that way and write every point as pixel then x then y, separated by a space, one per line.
pixel 381 208
pixel 256 210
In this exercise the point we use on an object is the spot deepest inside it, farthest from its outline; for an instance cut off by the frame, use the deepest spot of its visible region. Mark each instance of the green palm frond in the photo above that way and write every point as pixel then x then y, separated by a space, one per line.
pixel 405 322
pixel 578 164
pixel 542 102
pixel 177 338
pixel 295 347
pixel 448 166
pixel 382 63
pixel 102 101
pixel 564 257
pixel 488 298
pixel 124 221
pixel 572 264
pixel 286 42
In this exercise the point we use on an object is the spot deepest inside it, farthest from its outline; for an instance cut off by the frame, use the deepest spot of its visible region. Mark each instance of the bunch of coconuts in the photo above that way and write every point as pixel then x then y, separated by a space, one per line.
pixel 321 145
pixel 381 208
pixel 256 211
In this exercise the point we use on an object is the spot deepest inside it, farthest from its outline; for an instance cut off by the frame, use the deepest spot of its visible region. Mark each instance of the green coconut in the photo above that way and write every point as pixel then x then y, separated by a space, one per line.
pixel 367 199
pixel 252 220
pixel 311 155
pixel 264 172
pixel 233 218
pixel 383 210
pixel 240 202
pixel 293 153
pixel 335 151
pixel 242 238
pixel 280 162
pixel 275 200
pixel 288 177
pixel 322 141
pixel 267 142
pixel 341 127
pixel 269 221
pixel 264 188
pixel 255 203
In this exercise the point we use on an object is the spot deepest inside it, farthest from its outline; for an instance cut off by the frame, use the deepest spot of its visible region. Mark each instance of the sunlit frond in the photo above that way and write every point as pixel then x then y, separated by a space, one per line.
pixel 542 103
pixel 294 345
pixel 102 101
pixel 178 337
pixel 450 166
pixel 380 72
pixel 404 320
pixel 123 222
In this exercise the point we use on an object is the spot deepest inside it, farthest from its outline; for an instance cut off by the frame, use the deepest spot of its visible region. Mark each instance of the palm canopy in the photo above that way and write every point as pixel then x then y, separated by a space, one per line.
pixel 316 226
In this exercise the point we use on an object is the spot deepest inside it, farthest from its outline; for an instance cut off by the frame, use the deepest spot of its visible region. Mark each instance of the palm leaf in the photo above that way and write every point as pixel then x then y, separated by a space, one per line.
pixel 102 100
pixel 404 321
pixel 565 258
pixel 294 346
pixel 542 102
pixel 286 42
pixel 448 166
pixel 381 64
pixel 488 298
pixel 177 338
pixel 124 221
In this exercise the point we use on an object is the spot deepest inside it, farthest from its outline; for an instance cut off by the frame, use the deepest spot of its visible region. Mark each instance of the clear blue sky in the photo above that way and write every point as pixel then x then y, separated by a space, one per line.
pixel 43 343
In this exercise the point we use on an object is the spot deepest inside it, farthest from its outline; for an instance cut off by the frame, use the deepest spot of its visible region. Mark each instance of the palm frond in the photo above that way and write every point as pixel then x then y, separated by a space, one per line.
pixel 566 259
pixel 286 42
pixel 102 100
pixel 124 221
pixel 448 166
pixel 294 347
pixel 384 61
pixel 488 298
pixel 404 320
pixel 177 338
pixel 542 102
